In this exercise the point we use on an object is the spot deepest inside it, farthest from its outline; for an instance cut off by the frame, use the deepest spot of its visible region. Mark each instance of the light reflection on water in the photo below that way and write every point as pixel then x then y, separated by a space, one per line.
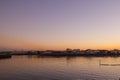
pixel 59 68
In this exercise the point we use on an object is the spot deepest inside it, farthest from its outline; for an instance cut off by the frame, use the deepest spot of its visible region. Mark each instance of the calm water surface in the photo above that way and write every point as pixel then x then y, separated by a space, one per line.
pixel 63 68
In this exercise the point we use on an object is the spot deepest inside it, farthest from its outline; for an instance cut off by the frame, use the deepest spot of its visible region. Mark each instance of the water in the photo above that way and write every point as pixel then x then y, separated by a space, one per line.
pixel 63 68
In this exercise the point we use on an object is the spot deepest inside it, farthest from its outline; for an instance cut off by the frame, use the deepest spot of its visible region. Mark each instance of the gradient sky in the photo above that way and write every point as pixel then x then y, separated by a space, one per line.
pixel 59 24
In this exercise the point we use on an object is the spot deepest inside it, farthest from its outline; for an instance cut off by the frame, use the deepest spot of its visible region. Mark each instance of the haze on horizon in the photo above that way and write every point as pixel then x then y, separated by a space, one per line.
pixel 59 24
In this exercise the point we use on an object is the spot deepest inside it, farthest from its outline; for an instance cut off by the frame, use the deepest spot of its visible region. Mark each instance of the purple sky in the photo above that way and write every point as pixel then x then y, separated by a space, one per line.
pixel 58 24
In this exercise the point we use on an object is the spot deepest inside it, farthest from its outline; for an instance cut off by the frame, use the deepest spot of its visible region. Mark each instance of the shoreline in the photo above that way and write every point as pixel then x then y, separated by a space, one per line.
pixel 67 52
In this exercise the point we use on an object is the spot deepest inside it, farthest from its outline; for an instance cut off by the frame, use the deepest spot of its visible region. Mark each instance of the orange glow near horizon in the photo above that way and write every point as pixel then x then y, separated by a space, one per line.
pixel 13 43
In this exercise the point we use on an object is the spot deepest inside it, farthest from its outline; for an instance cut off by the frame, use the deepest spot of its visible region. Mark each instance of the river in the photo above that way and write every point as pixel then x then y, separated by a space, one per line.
pixel 59 68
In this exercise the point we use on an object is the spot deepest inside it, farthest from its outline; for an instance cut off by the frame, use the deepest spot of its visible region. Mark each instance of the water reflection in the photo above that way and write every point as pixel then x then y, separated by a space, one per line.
pixel 5 58
pixel 59 68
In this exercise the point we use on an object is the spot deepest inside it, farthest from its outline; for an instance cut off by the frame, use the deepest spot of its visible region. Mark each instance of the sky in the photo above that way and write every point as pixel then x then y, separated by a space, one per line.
pixel 59 24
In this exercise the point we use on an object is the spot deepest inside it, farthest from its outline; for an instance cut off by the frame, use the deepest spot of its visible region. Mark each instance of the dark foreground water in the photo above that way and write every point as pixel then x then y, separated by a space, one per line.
pixel 64 68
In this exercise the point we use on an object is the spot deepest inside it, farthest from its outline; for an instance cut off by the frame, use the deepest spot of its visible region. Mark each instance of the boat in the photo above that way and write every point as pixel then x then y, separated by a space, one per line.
pixel 5 55
pixel 102 64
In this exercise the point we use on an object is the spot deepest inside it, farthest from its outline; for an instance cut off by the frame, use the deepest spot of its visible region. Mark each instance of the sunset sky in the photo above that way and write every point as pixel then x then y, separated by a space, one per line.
pixel 59 24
